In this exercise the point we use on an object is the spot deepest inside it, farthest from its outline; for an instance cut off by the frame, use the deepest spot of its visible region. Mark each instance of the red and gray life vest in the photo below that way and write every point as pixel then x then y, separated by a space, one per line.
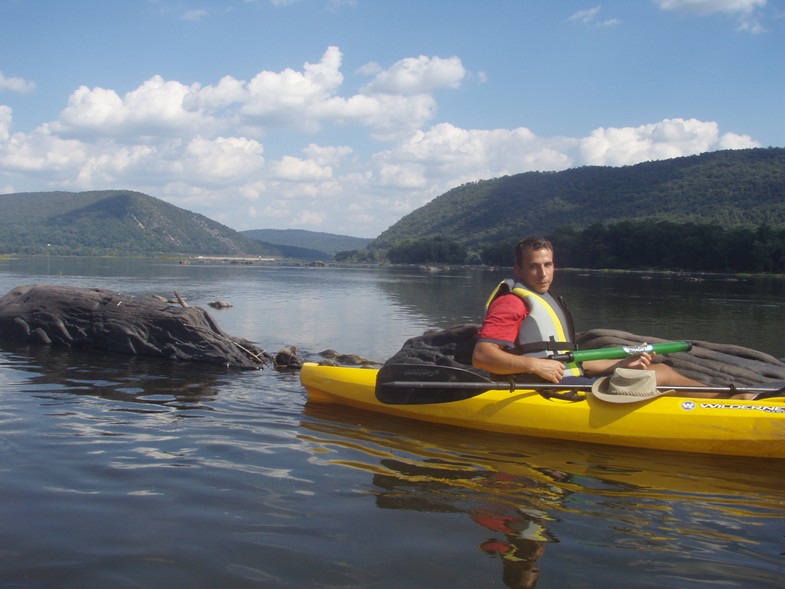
pixel 546 330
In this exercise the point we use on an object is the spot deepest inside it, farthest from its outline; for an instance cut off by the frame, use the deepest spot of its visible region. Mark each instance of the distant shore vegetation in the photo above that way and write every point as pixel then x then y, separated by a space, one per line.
pixel 626 245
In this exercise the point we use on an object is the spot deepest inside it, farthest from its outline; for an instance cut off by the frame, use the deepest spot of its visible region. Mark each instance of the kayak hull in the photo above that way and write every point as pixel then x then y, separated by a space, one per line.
pixel 709 426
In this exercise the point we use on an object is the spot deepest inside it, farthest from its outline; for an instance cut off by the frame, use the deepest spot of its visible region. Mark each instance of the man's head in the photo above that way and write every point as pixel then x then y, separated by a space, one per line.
pixel 534 263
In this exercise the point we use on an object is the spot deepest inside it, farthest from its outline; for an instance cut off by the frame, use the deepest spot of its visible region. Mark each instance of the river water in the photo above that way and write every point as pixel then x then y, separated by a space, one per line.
pixel 124 472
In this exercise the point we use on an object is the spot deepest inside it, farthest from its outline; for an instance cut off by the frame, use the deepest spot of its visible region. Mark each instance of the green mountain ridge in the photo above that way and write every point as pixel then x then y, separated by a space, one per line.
pixel 725 188
pixel 123 222
pixel 113 222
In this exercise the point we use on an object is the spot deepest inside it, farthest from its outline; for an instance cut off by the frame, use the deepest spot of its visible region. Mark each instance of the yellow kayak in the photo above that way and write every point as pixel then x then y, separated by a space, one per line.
pixel 709 426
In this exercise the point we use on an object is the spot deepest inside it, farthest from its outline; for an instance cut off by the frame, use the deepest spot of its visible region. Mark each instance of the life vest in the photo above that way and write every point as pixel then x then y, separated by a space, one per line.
pixel 548 327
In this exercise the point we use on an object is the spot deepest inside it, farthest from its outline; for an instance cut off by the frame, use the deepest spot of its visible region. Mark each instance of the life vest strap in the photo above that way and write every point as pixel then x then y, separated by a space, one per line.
pixel 543 346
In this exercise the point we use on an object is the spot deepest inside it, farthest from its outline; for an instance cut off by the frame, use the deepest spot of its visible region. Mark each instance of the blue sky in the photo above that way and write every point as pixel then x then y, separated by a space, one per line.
pixel 345 115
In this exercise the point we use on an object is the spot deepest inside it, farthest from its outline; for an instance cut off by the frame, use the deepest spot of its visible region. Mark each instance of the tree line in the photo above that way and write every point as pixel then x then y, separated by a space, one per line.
pixel 627 245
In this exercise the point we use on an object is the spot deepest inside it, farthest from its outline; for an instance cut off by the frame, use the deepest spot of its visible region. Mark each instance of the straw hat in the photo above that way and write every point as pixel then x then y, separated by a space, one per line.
pixel 627 385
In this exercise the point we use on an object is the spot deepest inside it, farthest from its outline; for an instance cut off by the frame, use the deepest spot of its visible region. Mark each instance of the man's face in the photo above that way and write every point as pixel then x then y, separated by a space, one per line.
pixel 536 269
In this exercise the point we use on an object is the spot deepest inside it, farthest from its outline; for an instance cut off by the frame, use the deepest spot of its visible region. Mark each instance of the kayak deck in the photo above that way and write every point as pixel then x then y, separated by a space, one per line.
pixel 711 426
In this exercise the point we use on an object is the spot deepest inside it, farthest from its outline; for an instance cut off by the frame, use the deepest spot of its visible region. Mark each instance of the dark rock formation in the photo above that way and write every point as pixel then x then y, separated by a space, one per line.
pixel 113 322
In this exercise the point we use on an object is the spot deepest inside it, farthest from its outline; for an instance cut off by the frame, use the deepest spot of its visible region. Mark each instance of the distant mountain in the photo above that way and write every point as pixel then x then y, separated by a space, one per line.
pixel 327 244
pixel 113 222
pixel 725 188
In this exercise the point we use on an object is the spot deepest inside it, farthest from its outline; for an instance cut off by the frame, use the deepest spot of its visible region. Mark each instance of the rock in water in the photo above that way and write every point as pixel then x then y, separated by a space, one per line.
pixel 113 322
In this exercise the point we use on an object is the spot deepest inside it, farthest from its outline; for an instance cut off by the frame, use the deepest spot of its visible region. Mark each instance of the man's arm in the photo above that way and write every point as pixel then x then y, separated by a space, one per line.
pixel 492 358
pixel 600 367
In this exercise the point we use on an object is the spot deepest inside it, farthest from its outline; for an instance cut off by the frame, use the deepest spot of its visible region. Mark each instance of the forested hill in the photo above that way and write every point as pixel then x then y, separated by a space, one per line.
pixel 725 189
pixel 113 222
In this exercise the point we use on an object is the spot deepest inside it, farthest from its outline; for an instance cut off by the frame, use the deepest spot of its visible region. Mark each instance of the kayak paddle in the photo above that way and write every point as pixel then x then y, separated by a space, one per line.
pixel 622 352
pixel 463 384
pixel 422 384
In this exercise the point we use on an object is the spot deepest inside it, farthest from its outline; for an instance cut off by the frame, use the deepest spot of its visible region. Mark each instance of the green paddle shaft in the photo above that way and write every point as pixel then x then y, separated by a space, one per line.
pixel 622 352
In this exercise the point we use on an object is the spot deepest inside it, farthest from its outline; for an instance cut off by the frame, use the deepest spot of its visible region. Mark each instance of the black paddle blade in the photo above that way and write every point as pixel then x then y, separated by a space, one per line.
pixel 777 390
pixel 423 384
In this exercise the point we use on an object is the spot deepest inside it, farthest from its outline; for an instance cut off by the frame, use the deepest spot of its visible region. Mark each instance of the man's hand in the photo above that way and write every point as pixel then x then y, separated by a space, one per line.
pixel 550 370
pixel 641 362
pixel 491 357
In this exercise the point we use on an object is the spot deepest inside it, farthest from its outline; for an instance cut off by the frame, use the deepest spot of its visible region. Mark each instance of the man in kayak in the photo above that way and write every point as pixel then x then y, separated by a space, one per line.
pixel 524 323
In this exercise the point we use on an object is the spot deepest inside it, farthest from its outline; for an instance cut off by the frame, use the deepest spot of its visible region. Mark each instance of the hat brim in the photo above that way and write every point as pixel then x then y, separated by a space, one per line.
pixel 600 390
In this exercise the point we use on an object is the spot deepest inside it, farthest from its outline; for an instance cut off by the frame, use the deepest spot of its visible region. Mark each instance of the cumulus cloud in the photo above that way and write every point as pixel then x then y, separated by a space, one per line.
pixel 417 75
pixel 155 108
pixel 296 169
pixel 290 95
pixel 667 139
pixel 14 84
pixel 250 153
pixel 327 155
pixel 102 168
pixel 222 161
pixel 42 154
pixel 397 100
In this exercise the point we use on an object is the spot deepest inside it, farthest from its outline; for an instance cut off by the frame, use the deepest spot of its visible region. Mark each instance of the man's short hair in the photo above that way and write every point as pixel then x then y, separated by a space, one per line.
pixel 531 243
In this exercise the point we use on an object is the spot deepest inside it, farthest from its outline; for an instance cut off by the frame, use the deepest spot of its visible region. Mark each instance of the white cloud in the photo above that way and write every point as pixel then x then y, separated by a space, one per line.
pixel 667 139
pixel 200 146
pixel 735 141
pixel 296 169
pixel 43 155
pixel 704 7
pixel 14 84
pixel 156 108
pixel 327 155
pixel 222 161
pixel 452 150
pixel 586 16
pixel 291 96
pixel 6 118
pixel 589 16
pixel 746 11
pixel 303 100
pixel 228 91
pixel 417 75
pixel 310 219
pixel 106 167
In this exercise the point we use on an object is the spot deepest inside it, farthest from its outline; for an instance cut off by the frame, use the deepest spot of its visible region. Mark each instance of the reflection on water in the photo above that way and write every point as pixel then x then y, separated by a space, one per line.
pixel 125 379
pixel 526 496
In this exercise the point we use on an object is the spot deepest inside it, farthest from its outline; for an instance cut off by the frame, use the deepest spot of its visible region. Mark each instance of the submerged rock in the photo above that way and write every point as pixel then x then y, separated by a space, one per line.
pixel 220 304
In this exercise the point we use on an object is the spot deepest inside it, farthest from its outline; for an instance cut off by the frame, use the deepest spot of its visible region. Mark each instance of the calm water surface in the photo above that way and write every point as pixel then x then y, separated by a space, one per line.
pixel 122 472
